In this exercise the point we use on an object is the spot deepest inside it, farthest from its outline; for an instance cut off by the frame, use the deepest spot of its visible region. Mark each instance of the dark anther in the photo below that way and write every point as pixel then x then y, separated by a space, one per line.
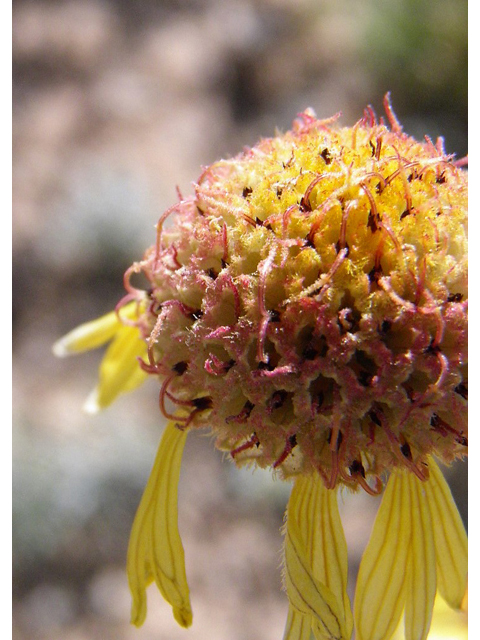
pixel 326 156
pixel 246 192
pixel 432 349
pixel 279 192
pixel 277 399
pixel 462 390
pixel 411 395
pixel 180 367
pixel 323 349
pixel 292 440
pixel 441 179
pixel 274 315
pixel 349 323
pixel 155 307
pixel 339 247
pixel 372 222
pixel 212 273
pixel 406 451
pixel 455 297
pixel 266 366
pixel 365 360
pixel 406 213
pixel 309 242
pixel 434 421
pixel 259 222
pixel 243 415
pixel 373 148
pixel 442 427
pixel 316 346
pixel 305 205
pixel 309 353
pixel 339 438
pixel 247 407
pixel 367 367
pixel 415 176
pixel 365 378
pixel 374 418
pixel 385 327
pixel 356 468
pixel 196 315
pixel 320 399
pixel 202 403
pixel 375 273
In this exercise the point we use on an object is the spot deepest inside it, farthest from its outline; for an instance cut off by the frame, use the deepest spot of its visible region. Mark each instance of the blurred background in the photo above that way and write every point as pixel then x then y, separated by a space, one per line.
pixel 116 104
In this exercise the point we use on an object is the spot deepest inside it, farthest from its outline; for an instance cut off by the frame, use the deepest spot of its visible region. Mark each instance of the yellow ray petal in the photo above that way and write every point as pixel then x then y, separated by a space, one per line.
pixel 422 583
pixel 315 510
pixel 381 584
pixel 119 370
pixel 93 334
pixel 155 550
pixel 306 594
pixel 447 624
pixel 298 626
pixel 449 537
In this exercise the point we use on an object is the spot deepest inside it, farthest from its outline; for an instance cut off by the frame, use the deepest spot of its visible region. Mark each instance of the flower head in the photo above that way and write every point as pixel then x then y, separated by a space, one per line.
pixel 308 304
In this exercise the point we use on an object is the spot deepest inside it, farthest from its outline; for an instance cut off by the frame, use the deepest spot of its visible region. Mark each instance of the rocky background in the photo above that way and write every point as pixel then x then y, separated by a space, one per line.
pixel 116 104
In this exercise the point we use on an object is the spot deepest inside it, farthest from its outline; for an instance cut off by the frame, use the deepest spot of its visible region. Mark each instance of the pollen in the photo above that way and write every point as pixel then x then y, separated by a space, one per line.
pixel 308 303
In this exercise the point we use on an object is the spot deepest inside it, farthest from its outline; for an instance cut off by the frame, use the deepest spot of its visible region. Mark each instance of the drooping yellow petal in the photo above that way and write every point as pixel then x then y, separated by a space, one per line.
pixel 119 370
pixel 381 583
pixel 449 537
pixel 422 584
pixel 315 510
pixel 155 550
pixel 93 334
pixel 298 626
pixel 447 624
pixel 307 594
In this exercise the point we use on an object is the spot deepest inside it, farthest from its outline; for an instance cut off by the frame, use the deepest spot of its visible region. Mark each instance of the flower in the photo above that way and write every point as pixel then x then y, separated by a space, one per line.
pixel 308 305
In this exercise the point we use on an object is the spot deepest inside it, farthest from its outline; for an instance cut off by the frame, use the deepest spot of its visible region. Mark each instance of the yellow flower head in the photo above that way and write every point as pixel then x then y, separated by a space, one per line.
pixel 308 304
